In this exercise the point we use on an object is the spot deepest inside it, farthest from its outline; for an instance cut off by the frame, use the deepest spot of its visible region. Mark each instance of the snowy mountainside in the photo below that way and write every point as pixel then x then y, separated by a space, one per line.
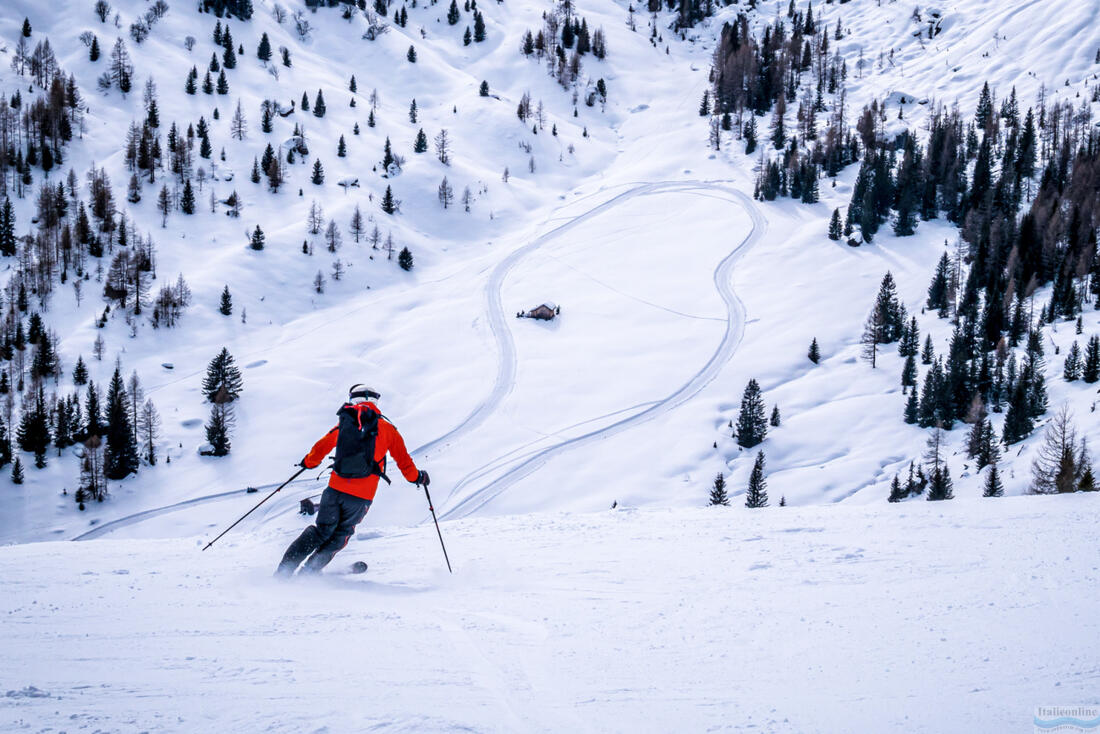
pixel 475 392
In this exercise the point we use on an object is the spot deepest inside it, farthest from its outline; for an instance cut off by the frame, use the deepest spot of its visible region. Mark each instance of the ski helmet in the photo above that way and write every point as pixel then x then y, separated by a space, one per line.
pixel 361 394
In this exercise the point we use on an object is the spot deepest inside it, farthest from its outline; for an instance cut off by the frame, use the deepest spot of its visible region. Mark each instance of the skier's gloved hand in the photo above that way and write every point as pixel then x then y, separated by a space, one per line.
pixel 423 479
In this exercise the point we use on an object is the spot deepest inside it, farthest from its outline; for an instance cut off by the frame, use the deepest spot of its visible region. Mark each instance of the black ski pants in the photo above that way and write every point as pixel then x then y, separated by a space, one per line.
pixel 337 517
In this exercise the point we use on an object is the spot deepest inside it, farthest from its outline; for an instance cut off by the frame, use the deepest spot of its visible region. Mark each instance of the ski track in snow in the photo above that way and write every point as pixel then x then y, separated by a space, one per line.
pixel 735 327
pixel 507 363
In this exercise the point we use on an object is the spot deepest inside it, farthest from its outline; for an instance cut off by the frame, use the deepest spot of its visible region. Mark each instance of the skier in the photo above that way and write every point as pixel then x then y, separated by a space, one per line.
pixel 362 438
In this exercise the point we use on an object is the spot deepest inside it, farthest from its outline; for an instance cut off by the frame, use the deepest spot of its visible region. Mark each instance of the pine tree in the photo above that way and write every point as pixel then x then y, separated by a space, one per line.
pixel 909 373
pixel 752 426
pixel 26 28
pixel 834 226
pixel 318 176
pixel 405 259
pixel 319 105
pixel 229 58
pixel 757 495
pixel 483 90
pixel 226 307
pixel 263 52
pixel 389 204
pixel 814 355
pixel 222 374
pixel 897 494
pixel 1091 372
pixel 341 148
pixel 411 55
pixel 993 486
pixel 940 486
pixel 912 410
pixel 452 13
pixel 121 457
pixel 187 199
pixel 927 354
pixel 718 495
pixel 17 471
pixel 421 144
pixel 218 427
pixel 774 420
pixel 937 290
pixel 80 372
pixel 1072 370
pixel 479 28
pixel 222 86
pixel 257 241
pixel 93 52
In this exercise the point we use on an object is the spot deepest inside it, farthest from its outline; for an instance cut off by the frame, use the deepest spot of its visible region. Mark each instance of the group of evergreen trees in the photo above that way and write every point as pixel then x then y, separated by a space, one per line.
pixel 757 493
pixel 562 41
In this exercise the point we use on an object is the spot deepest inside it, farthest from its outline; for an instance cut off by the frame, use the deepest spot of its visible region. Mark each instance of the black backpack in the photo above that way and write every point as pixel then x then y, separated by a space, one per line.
pixel 355 444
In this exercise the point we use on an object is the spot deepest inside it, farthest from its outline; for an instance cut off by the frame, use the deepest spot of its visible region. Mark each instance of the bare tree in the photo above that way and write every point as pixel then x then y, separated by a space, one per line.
pixel 316 218
pixel 332 237
pixel 446 193
pixel 278 12
pixel 189 42
pixel 443 147
pixel 872 333
pixel 1055 468
pixel 238 127
pixel 148 425
pixel 358 227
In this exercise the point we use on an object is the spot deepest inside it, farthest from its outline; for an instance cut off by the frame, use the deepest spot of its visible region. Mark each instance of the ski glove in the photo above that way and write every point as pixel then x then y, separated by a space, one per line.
pixel 423 479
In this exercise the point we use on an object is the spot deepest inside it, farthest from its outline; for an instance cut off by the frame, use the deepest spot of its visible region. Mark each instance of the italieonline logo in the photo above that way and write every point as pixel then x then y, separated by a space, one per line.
pixel 1067 719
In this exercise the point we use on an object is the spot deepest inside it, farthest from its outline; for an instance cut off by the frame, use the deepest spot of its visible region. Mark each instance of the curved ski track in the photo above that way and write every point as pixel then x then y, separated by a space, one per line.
pixel 704 376
pixel 506 365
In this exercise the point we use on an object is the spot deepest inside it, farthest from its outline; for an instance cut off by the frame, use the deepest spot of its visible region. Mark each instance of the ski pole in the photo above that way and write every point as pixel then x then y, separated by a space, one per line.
pixel 265 499
pixel 432 510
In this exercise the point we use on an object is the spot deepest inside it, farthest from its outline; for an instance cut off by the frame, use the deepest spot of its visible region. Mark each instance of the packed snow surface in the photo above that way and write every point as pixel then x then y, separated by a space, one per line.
pixel 929 617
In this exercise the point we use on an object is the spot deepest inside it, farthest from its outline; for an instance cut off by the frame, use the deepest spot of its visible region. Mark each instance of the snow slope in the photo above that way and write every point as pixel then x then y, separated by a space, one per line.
pixel 945 617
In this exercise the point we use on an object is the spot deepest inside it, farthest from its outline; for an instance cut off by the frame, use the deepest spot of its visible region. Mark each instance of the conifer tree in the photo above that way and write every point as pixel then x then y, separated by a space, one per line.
pixel 341 148
pixel 897 494
pixel 479 28
pixel 752 426
pixel 257 241
pixel 218 427
pixel 1072 369
pixel 80 371
pixel 120 459
pixel 421 143
pixel 411 55
pixel 389 204
pixel 483 90
pixel 226 307
pixel 912 410
pixel 263 52
pixel 909 373
pixel 993 486
pixel 92 414
pixel 1091 371
pixel 718 495
pixel 749 135
pixel 814 355
pixel 319 105
pixel 17 471
pixel 940 486
pixel 452 13
pixel 318 176
pixel 93 52
pixel 757 494
pixel 834 225
pixel 222 374
pixel 405 259
pixel 775 419
pixel 222 86
pixel 187 198
pixel 927 353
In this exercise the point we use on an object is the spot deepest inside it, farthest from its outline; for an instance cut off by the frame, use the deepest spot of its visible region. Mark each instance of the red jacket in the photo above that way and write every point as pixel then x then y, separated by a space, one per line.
pixel 388 441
